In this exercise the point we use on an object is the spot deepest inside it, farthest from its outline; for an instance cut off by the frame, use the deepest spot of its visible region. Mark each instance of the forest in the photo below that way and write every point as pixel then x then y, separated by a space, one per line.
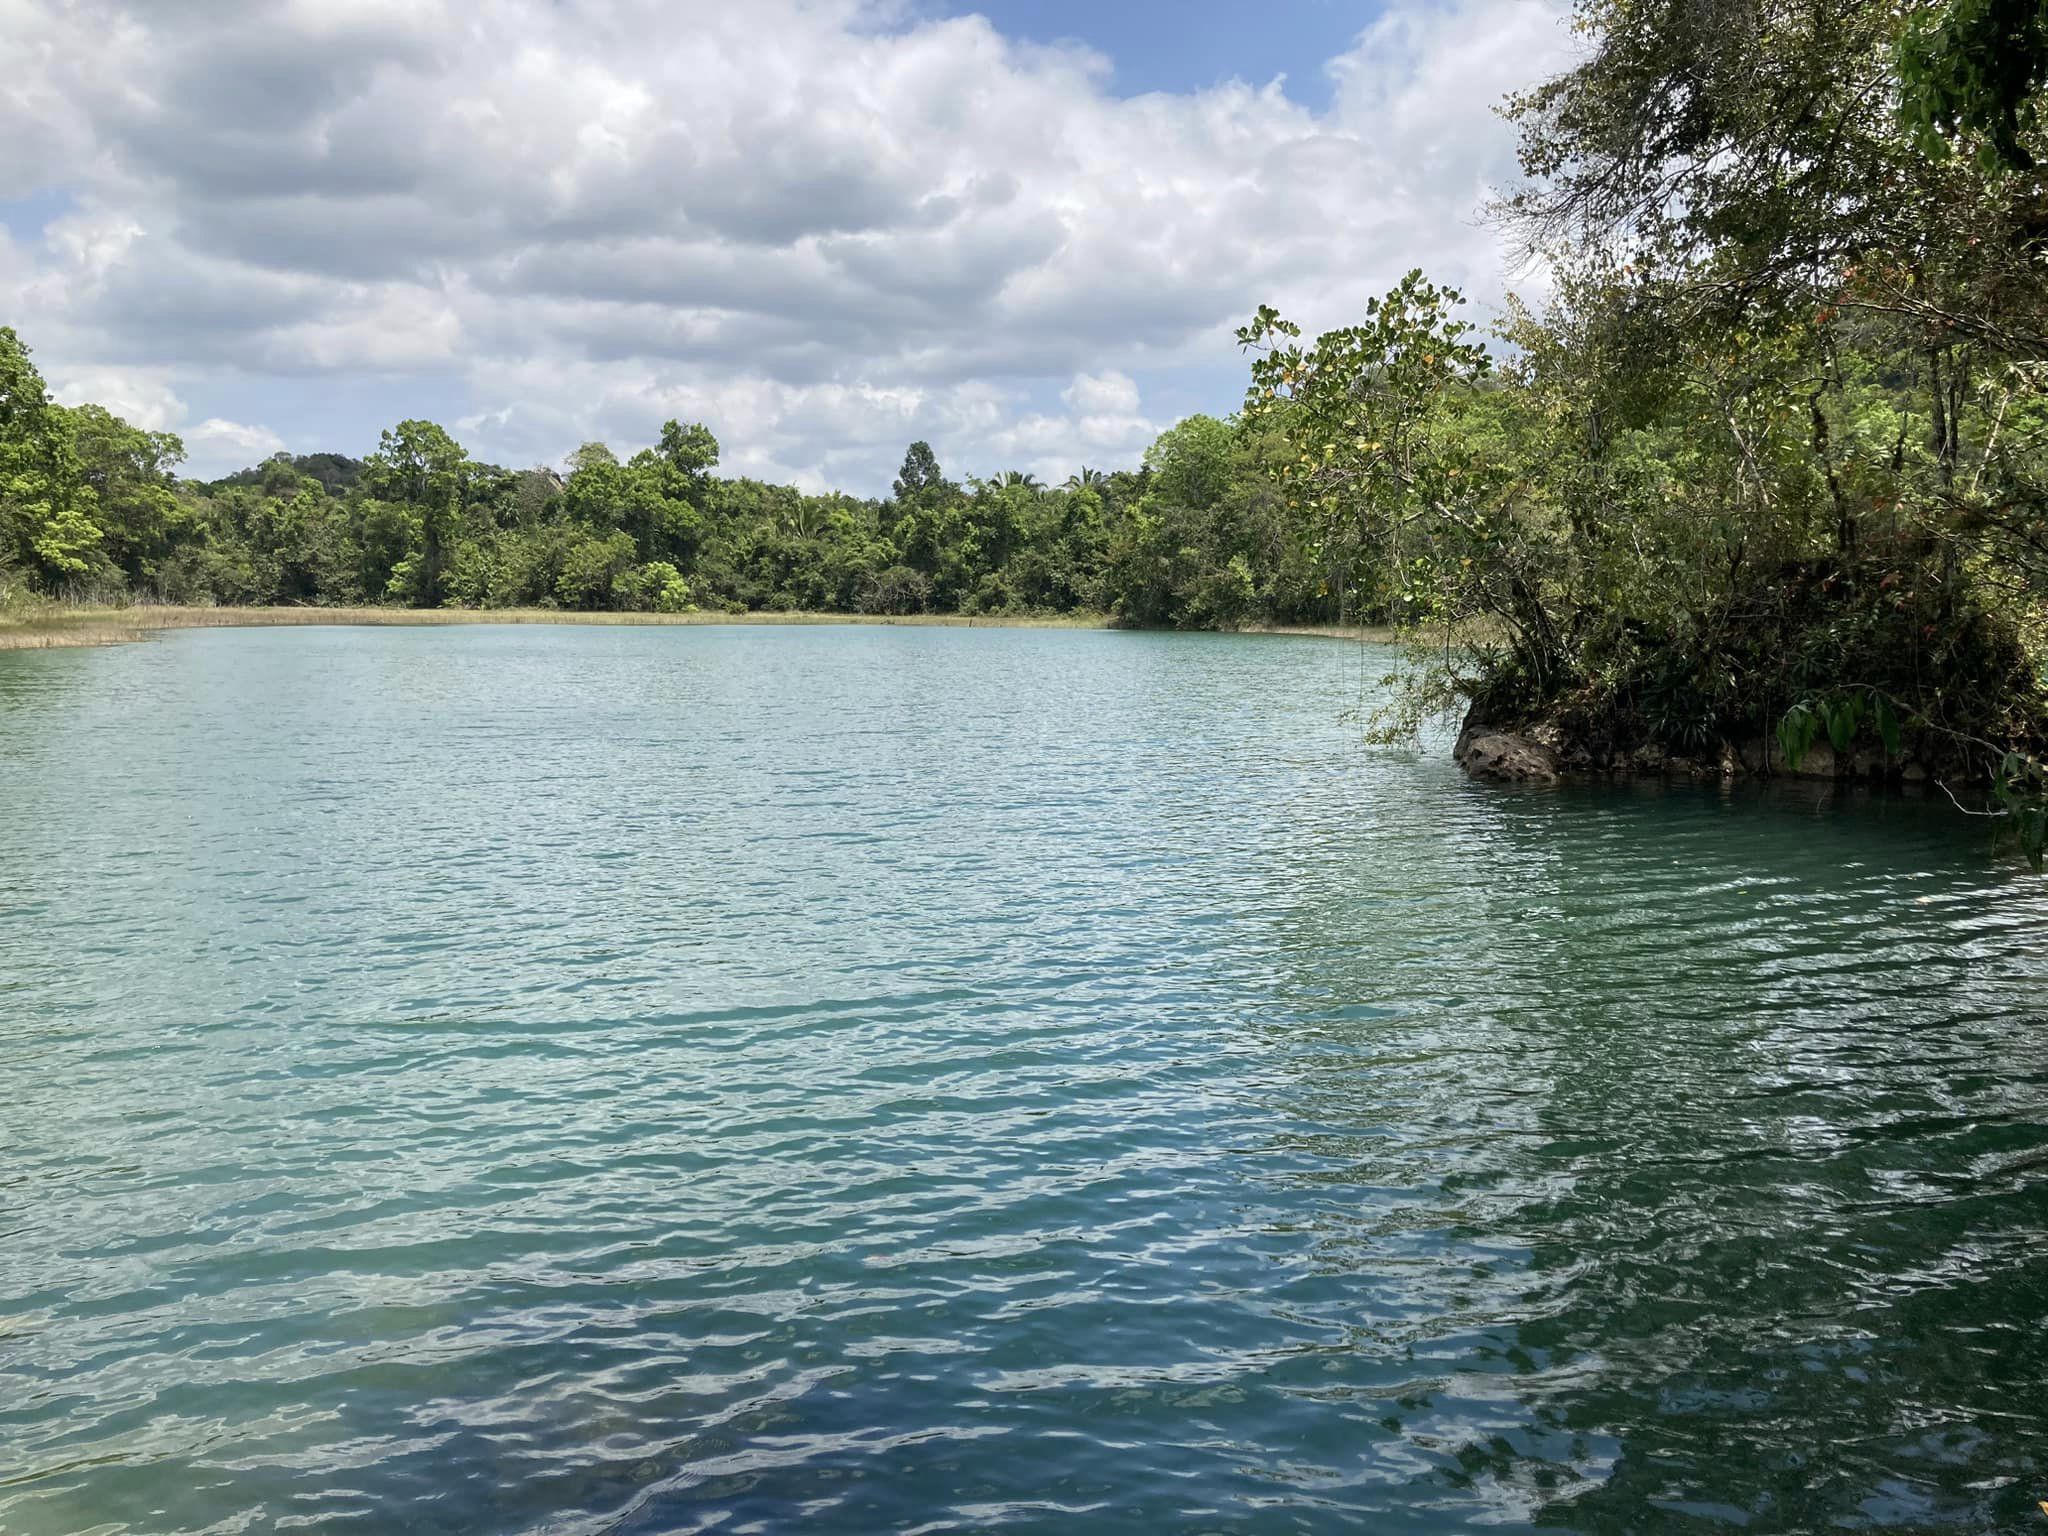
pixel 1197 536
pixel 1767 460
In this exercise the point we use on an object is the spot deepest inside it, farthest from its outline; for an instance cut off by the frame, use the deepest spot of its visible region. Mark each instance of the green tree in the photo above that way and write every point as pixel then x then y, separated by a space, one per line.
pixel 1190 462
pixel 591 566
pixel 416 463
pixel 920 473
pixel 1378 460
pixel 419 466
pixel 49 527
pixel 129 472
pixel 690 452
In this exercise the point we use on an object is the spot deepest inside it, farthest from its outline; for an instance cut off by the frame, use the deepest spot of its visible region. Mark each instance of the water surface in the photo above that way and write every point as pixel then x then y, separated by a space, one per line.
pixel 645 1080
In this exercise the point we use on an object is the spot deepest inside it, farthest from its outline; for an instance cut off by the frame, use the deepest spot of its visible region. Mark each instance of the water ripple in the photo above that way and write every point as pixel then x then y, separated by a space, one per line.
pixel 599 1080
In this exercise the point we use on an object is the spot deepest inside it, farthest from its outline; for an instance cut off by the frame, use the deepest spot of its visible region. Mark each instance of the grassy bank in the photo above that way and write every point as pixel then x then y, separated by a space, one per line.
pixel 1374 634
pixel 41 626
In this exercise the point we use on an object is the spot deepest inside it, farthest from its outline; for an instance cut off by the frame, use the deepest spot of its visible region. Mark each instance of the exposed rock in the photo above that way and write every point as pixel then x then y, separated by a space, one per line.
pixel 1544 751
pixel 1505 757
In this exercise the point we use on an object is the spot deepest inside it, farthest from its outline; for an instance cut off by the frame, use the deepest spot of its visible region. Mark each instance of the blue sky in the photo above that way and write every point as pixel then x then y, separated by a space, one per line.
pixel 27 217
pixel 1155 45
pixel 823 227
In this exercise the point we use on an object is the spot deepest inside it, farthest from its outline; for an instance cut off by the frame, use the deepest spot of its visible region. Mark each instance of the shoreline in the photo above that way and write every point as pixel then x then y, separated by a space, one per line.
pixel 64 627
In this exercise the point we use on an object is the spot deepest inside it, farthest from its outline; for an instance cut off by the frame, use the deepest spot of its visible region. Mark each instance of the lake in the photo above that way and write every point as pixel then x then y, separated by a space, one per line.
pixel 575 1080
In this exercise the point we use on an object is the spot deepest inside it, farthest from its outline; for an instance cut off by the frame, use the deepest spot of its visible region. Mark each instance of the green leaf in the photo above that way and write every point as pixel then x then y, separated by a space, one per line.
pixel 1844 716
pixel 1795 734
pixel 1838 727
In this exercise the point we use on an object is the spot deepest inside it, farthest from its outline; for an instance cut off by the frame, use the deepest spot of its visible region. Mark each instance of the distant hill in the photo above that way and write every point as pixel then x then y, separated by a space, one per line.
pixel 336 471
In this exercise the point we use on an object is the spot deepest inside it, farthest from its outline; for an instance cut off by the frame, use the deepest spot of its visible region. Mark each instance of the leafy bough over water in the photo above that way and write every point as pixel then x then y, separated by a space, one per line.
pixel 1775 459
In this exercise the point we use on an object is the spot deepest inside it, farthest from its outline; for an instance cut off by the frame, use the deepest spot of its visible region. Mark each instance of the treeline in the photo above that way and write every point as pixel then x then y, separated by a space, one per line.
pixel 1199 535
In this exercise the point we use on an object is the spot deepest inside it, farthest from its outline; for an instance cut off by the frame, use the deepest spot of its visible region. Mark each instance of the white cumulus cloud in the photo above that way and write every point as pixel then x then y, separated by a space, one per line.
pixel 216 447
pixel 821 227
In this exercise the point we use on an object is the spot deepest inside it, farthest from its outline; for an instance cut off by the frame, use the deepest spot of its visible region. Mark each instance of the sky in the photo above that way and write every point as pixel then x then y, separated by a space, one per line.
pixel 1024 231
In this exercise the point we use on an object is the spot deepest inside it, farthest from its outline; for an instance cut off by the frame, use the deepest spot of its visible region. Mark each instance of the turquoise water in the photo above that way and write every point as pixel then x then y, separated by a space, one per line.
pixel 846 1080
